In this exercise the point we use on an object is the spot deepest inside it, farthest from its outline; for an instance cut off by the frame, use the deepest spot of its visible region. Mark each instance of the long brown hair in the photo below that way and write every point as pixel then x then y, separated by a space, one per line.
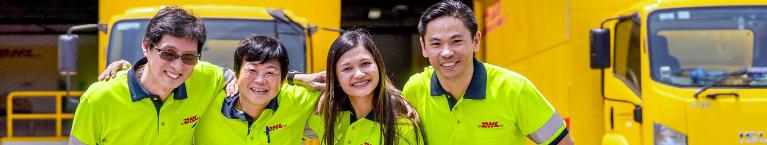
pixel 388 104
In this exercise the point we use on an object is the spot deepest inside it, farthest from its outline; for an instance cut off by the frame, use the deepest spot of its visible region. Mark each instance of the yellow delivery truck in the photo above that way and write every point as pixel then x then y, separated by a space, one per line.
pixel 665 72
pixel 122 24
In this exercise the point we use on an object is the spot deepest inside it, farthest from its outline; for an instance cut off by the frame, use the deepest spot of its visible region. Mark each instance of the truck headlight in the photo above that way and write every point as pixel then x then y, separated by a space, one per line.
pixel 667 136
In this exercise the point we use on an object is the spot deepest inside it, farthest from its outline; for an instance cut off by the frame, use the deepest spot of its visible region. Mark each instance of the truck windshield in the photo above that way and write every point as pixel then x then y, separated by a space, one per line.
pixel 696 46
pixel 223 37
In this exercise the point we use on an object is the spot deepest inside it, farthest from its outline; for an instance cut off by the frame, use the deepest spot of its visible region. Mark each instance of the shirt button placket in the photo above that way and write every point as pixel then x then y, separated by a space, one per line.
pixel 457 115
pixel 457 129
pixel 454 115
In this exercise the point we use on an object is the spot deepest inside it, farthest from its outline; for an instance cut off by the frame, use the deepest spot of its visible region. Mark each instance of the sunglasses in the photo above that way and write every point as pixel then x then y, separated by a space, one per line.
pixel 170 55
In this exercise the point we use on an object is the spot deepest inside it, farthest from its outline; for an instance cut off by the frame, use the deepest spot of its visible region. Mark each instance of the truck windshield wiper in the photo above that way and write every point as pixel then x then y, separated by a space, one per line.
pixel 717 82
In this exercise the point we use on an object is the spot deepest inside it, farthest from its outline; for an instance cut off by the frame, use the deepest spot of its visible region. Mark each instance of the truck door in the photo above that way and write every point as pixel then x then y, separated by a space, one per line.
pixel 622 82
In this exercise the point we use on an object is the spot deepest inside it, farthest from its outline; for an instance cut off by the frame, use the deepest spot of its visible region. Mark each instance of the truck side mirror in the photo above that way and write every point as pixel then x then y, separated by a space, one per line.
pixel 599 48
pixel 68 48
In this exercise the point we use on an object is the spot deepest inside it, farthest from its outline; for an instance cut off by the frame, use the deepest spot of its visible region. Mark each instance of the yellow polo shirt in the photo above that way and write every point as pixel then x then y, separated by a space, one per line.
pixel 364 131
pixel 282 122
pixel 119 111
pixel 499 107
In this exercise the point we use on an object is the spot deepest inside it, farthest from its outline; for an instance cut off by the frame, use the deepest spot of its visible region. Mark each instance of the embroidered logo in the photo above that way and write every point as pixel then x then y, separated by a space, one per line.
pixel 277 126
pixel 190 119
pixel 490 124
pixel 366 143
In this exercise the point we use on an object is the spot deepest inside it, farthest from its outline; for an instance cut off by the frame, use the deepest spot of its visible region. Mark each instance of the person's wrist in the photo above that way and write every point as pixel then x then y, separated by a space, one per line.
pixel 291 77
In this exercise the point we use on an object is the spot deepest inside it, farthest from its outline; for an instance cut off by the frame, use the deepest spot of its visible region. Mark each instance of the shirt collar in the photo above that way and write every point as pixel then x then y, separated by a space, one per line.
pixel 477 86
pixel 138 93
pixel 347 106
pixel 231 112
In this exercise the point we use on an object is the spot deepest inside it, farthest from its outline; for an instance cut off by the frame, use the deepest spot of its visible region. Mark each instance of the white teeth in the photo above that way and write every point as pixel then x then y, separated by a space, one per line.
pixel 258 90
pixel 172 75
pixel 449 64
pixel 363 83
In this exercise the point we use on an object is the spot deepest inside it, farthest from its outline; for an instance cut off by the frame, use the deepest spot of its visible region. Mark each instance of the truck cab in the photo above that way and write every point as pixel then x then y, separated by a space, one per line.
pixel 226 26
pixel 119 38
pixel 684 72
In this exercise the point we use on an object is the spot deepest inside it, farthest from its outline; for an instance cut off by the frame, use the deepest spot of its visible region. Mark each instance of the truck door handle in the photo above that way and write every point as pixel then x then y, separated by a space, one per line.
pixel 715 95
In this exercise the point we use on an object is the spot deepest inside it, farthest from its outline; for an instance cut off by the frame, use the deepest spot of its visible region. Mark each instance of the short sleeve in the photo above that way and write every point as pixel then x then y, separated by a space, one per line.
pixel 411 89
pixel 317 124
pixel 408 134
pixel 537 118
pixel 86 126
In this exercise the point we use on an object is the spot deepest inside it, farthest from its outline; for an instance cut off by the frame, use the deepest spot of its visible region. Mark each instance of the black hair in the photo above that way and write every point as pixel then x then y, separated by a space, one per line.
pixel 452 8
pixel 175 21
pixel 261 48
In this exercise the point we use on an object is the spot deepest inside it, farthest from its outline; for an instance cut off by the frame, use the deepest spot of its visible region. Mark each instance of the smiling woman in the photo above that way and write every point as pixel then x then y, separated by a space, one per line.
pixel 362 105
pixel 261 63
pixel 266 110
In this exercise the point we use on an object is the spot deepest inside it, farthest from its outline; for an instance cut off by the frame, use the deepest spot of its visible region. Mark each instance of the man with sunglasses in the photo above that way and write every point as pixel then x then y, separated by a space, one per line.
pixel 160 100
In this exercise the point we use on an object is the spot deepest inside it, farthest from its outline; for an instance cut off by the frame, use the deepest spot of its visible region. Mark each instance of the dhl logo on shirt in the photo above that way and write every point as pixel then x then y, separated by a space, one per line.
pixel 190 119
pixel 490 124
pixel 277 126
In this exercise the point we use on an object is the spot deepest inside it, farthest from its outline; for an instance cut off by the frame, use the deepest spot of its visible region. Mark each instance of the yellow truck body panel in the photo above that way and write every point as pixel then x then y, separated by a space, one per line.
pixel 548 42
